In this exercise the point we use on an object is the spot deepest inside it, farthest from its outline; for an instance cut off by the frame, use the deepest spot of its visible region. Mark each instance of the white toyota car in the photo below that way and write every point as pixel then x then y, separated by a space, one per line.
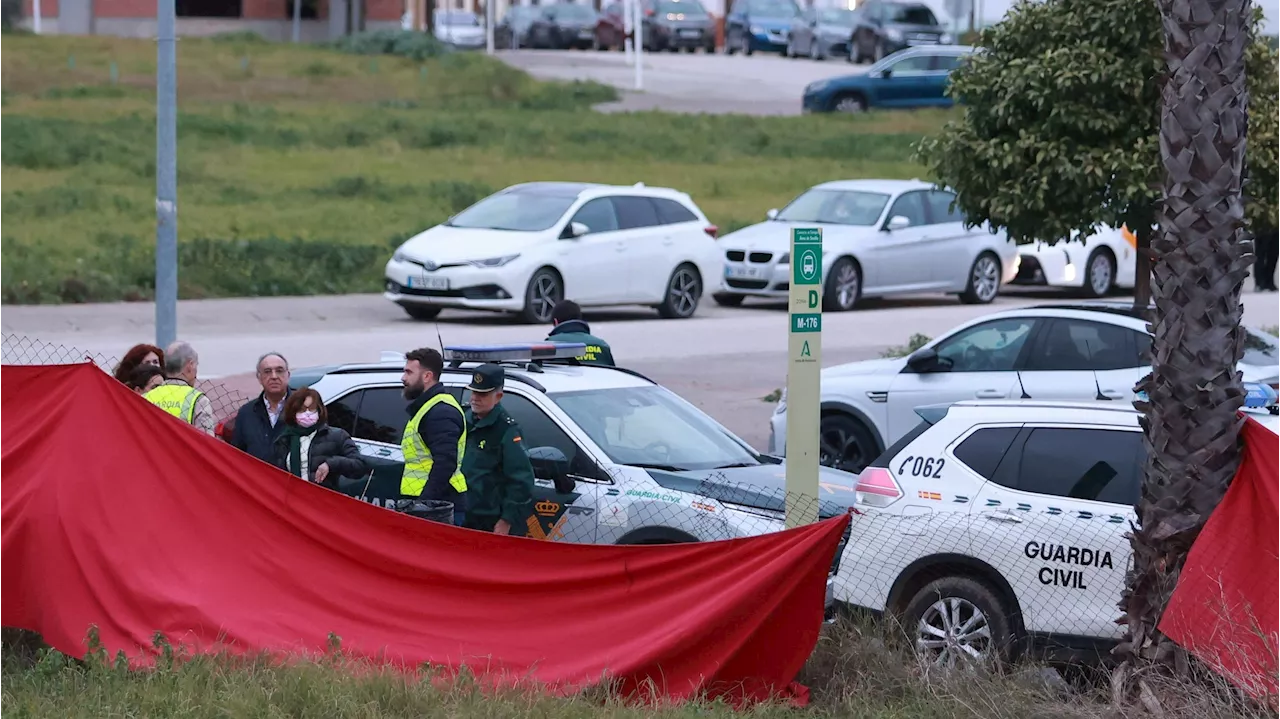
pixel 1104 261
pixel 879 237
pixel 525 248
pixel 1079 351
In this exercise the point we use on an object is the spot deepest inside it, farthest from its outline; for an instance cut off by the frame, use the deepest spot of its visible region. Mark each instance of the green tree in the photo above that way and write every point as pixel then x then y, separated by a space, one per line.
pixel 1059 130
pixel 1060 126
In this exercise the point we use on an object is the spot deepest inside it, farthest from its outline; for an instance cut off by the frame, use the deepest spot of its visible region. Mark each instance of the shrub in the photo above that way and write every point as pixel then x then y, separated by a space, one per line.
pixel 401 43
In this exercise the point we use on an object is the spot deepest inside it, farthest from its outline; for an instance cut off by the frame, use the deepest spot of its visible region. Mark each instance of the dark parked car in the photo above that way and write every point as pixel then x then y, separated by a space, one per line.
pixel 821 33
pixel 916 77
pixel 563 26
pixel 611 27
pixel 759 25
pixel 673 25
pixel 513 30
pixel 884 27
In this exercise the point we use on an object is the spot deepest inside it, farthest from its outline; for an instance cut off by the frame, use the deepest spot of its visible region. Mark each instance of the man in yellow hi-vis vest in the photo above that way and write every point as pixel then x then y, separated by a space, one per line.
pixel 435 437
pixel 178 395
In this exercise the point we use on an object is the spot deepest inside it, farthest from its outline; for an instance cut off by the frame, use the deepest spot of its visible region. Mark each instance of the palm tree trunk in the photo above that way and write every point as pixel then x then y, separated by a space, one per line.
pixel 1194 392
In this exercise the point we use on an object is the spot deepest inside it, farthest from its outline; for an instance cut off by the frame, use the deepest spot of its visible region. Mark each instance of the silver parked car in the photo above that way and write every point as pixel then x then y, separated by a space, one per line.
pixel 820 34
pixel 879 237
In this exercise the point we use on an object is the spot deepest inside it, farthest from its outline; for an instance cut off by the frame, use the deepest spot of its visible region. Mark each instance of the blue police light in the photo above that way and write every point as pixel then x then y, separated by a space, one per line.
pixel 1259 396
pixel 525 352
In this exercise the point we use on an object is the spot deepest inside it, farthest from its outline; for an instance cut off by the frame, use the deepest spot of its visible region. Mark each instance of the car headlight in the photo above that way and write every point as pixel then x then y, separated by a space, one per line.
pixel 784 258
pixel 946 38
pixel 757 30
pixel 893 34
pixel 399 256
pixel 492 261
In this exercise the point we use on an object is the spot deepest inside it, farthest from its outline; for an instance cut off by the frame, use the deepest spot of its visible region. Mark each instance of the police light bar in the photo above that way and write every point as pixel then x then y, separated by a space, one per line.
pixel 514 352
pixel 1259 396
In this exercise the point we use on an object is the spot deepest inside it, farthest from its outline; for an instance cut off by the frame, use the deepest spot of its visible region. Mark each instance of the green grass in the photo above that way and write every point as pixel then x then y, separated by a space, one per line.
pixel 860 670
pixel 343 154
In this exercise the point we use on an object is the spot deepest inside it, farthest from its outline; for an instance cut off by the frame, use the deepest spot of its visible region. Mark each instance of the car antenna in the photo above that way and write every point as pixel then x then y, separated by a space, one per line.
pixel 1096 385
pixel 1022 386
pixel 439 338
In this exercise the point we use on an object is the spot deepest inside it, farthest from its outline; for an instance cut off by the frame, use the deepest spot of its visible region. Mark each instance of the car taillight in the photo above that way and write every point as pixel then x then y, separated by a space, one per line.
pixel 712 231
pixel 877 488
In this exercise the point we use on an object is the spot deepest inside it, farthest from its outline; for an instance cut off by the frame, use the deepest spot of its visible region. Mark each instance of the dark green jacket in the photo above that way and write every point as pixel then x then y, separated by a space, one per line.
pixel 598 351
pixel 499 476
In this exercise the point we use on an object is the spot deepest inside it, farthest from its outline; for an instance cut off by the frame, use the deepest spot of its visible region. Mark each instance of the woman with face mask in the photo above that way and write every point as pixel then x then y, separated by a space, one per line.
pixel 311 449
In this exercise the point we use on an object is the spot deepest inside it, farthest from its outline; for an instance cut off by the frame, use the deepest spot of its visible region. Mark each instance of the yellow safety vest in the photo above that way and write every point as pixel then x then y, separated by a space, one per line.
pixel 177 400
pixel 417 458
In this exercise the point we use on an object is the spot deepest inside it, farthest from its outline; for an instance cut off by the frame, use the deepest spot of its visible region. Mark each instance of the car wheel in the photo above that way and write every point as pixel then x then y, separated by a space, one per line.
pixel 725 299
pixel 956 621
pixel 747 50
pixel 815 52
pixel 851 103
pixel 422 312
pixel 684 289
pixel 730 44
pixel 540 298
pixel 843 286
pixel 984 280
pixel 790 51
pixel 1099 273
pixel 845 443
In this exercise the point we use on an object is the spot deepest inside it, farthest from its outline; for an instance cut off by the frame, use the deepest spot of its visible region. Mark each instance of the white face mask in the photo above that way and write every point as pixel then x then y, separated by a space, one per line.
pixel 308 419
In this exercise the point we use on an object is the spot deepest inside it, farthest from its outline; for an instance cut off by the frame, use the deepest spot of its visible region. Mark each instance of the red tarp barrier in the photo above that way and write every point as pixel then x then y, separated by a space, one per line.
pixel 1224 608
pixel 117 515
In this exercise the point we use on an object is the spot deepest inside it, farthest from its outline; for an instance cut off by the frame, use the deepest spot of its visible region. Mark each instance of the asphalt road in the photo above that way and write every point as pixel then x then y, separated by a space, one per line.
pixel 724 360
pixel 763 84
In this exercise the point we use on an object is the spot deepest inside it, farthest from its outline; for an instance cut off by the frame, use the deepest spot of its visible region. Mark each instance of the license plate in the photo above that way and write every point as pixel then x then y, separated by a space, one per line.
pixel 744 273
pixel 427 283
pixel 586 34
pixel 689 33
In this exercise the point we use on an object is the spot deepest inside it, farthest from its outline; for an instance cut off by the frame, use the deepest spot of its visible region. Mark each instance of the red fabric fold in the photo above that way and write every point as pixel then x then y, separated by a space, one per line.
pixel 1224 609
pixel 117 515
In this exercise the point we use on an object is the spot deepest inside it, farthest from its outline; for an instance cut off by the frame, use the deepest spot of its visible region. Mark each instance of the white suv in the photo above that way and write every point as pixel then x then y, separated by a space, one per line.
pixel 1051 352
pixel 994 527
pixel 529 246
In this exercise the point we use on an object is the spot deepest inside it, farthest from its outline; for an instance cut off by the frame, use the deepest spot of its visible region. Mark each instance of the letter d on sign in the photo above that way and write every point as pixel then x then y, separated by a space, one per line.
pixel 813 299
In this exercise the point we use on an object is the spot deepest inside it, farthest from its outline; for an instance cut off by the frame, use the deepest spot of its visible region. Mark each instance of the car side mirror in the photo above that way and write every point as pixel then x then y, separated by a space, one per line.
pixel 924 361
pixel 550 463
pixel 898 222
pixel 886 73
pixel 574 230
pixel 772 214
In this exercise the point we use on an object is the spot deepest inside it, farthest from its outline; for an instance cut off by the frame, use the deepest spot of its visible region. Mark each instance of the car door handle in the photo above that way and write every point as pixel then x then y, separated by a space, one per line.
pixel 989 394
pixel 1113 393
pixel 1004 517
pixel 668 241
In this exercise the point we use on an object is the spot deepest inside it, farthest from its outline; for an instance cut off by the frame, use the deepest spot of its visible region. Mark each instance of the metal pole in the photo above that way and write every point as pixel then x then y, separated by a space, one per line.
pixel 166 177
pixel 637 23
pixel 490 15
pixel 626 31
pixel 297 21
pixel 35 7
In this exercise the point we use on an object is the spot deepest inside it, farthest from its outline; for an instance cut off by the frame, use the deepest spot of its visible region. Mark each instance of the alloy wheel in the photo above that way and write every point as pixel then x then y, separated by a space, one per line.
pixel 953 632
pixel 544 295
pixel 841 449
pixel 986 278
pixel 684 292
pixel 847 285
pixel 1100 275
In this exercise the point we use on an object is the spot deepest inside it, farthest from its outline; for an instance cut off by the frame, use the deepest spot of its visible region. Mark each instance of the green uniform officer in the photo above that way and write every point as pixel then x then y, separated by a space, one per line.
pixel 570 327
pixel 499 475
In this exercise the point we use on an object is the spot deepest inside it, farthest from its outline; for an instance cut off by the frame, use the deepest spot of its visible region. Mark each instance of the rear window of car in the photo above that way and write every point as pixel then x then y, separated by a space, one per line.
pixel 911 15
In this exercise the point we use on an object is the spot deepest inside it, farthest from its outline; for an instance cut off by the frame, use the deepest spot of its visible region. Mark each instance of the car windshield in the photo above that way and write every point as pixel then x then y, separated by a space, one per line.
pixel 574 11
pixel 681 7
pixel 652 427
pixel 838 17
pixel 836 207
pixel 458 18
pixel 910 15
pixel 773 8
pixel 515 211
pixel 1260 349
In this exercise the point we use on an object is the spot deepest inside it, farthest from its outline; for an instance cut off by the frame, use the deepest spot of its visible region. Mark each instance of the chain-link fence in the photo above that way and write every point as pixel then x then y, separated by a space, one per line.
pixel 21 350
pixel 965 575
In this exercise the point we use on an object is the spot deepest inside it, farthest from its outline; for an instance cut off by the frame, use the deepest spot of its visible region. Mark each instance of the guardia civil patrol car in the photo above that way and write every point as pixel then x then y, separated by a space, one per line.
pixel 997 527
pixel 617 458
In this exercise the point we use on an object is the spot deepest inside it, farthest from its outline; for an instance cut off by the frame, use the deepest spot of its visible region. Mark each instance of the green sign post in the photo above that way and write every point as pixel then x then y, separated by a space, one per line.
pixel 804 353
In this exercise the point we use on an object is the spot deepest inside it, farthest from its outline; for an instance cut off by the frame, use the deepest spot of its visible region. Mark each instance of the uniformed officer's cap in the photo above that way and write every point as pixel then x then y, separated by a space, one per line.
pixel 487 378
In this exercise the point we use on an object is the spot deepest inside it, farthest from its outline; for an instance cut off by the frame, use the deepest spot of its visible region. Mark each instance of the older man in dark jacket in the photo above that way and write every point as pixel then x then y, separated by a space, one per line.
pixel 258 422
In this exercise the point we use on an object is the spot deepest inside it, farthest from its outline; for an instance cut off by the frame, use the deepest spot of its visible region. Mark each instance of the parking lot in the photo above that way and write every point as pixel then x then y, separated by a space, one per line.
pixel 762 84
